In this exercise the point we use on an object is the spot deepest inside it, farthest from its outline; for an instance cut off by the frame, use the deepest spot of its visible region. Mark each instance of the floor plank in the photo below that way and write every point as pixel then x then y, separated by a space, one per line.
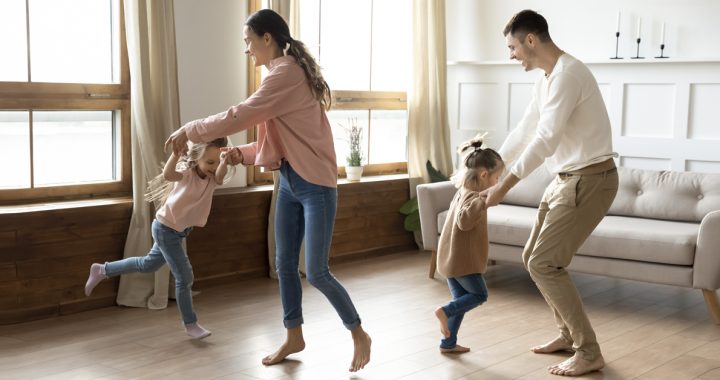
pixel 646 331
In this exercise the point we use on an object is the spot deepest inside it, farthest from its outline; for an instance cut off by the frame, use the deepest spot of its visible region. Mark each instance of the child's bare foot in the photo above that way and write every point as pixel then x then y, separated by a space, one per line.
pixel 555 345
pixel 442 317
pixel 293 343
pixel 576 366
pixel 362 343
pixel 458 349
pixel 97 274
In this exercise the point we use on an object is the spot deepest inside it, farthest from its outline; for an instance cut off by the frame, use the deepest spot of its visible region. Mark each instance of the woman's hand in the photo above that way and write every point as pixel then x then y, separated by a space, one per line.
pixel 178 142
pixel 234 156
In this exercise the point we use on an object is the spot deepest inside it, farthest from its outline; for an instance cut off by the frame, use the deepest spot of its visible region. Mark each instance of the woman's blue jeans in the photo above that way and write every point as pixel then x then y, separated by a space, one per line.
pixel 167 248
pixel 468 293
pixel 307 211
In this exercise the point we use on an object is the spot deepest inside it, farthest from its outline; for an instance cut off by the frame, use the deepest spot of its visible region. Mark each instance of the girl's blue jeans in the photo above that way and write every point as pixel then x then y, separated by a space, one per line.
pixel 166 249
pixel 468 293
pixel 307 211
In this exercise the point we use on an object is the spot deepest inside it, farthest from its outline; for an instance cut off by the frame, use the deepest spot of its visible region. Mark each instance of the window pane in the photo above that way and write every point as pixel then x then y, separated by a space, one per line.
pixel 73 147
pixel 339 120
pixel 345 44
pixel 13 42
pixel 388 136
pixel 71 41
pixel 310 25
pixel 15 149
pixel 391 45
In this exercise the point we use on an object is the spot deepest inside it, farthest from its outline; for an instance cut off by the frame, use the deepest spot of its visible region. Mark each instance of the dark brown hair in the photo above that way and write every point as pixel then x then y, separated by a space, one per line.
pixel 478 158
pixel 268 21
pixel 527 21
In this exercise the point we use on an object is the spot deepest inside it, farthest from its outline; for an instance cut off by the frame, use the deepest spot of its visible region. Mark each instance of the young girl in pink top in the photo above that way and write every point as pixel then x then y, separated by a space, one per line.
pixel 294 137
pixel 186 189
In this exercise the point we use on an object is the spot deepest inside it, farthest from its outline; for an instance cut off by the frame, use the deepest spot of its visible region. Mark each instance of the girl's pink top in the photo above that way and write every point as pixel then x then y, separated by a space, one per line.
pixel 188 205
pixel 292 125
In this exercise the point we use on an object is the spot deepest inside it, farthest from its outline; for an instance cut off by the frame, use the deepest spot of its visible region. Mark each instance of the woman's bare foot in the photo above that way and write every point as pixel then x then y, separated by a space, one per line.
pixel 362 343
pixel 293 343
pixel 442 317
pixel 577 366
pixel 458 349
pixel 555 345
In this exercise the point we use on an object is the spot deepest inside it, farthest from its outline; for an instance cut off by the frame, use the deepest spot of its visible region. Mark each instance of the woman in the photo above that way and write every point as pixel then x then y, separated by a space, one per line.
pixel 294 136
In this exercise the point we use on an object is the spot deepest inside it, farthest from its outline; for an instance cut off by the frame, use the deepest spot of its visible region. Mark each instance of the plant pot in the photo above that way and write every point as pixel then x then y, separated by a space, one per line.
pixel 354 173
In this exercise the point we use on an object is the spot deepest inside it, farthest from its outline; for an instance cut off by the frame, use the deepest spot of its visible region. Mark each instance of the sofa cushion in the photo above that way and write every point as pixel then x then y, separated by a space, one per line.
pixel 511 225
pixel 530 189
pixel 650 240
pixel 680 196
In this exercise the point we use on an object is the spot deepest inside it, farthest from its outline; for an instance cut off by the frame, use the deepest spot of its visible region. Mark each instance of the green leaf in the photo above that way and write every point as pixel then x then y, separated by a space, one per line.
pixel 412 221
pixel 435 175
pixel 409 207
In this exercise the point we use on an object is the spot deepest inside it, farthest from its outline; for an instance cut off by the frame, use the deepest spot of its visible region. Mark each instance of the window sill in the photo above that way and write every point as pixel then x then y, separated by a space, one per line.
pixel 373 178
pixel 340 182
pixel 62 205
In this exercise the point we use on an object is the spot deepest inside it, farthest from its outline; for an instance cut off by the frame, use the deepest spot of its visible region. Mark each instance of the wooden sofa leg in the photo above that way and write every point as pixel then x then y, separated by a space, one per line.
pixel 711 300
pixel 433 263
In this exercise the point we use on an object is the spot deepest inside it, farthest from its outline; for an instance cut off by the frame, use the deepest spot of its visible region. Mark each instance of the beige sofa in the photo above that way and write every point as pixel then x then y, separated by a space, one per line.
pixel 663 227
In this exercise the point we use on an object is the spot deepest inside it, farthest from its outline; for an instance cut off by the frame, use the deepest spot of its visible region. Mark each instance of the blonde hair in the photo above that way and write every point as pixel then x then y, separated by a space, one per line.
pixel 159 188
pixel 478 158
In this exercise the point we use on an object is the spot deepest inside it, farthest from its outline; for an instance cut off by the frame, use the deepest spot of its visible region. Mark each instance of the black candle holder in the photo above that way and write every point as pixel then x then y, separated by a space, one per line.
pixel 617 41
pixel 662 47
pixel 637 55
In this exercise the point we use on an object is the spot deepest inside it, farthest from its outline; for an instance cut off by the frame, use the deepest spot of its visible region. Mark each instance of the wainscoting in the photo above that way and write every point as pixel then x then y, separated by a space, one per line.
pixel 45 251
pixel 664 113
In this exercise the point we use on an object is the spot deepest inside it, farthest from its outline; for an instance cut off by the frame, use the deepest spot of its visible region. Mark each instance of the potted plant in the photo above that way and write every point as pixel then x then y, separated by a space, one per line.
pixel 354 167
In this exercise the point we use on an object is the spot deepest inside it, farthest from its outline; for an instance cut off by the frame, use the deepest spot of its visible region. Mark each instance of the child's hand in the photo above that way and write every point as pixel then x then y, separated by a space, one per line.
pixel 235 157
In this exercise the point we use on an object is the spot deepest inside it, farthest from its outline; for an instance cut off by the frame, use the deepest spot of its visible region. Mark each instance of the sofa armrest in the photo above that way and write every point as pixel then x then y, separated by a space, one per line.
pixel 706 269
pixel 433 198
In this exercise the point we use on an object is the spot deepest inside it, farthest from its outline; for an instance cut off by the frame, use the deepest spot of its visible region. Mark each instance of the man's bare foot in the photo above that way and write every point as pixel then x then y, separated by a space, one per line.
pixel 293 343
pixel 576 366
pixel 361 356
pixel 442 317
pixel 558 344
pixel 458 349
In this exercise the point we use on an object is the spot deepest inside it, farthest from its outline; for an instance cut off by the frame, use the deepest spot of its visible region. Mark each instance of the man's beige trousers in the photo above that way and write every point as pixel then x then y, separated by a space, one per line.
pixel 571 208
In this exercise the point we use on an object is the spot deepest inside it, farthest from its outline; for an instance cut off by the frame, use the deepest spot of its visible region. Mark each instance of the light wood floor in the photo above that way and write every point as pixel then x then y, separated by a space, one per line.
pixel 646 331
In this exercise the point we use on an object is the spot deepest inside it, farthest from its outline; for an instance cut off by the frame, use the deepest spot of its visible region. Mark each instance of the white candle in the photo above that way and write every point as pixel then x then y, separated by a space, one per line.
pixel 617 27
pixel 639 26
pixel 662 35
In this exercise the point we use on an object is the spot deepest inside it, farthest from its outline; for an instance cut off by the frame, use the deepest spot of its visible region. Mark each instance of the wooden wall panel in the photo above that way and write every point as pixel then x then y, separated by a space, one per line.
pixel 47 263
pixel 45 255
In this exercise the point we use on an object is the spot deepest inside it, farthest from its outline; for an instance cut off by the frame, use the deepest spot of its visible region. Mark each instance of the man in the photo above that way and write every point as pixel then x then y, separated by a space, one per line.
pixel 566 126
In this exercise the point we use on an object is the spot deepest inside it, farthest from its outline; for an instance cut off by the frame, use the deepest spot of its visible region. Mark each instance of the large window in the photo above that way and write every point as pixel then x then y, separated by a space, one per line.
pixel 64 100
pixel 365 50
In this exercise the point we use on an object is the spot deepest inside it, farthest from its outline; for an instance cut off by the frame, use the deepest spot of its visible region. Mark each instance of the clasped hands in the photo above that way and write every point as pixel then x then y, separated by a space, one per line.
pixel 178 142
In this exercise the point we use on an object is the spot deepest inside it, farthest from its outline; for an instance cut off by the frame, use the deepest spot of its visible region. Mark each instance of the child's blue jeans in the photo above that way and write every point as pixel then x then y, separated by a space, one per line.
pixel 167 248
pixel 307 211
pixel 468 293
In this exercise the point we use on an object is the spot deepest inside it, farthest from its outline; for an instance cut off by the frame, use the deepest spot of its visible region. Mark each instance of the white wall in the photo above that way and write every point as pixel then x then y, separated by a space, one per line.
pixel 663 112
pixel 586 28
pixel 212 67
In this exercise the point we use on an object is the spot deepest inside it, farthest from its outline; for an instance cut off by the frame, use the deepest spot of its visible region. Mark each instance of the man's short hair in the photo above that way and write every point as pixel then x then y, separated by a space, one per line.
pixel 527 21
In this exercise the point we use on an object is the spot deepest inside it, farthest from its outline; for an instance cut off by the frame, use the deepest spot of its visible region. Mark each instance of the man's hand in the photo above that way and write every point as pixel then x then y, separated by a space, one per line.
pixel 493 195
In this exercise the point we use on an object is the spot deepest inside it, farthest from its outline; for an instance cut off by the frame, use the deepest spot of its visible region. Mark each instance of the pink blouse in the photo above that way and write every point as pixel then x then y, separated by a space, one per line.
pixel 188 205
pixel 291 125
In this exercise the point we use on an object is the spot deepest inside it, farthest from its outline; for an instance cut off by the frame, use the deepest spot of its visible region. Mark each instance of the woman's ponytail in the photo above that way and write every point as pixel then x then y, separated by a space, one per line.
pixel 318 85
